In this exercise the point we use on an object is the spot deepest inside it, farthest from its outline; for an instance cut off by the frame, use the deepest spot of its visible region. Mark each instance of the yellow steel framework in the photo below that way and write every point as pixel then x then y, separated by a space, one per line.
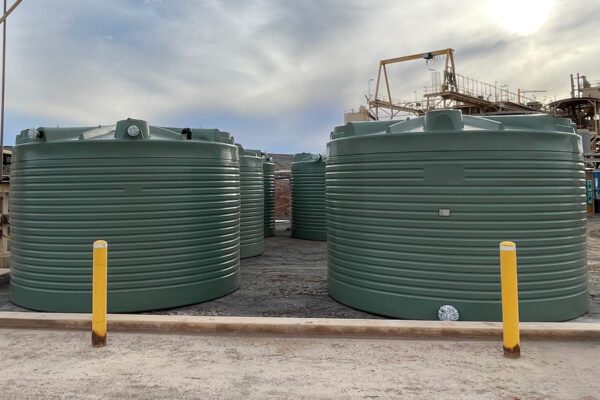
pixel 455 91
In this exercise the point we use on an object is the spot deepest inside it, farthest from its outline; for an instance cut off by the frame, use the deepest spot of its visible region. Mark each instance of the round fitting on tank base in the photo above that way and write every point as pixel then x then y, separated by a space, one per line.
pixel 448 313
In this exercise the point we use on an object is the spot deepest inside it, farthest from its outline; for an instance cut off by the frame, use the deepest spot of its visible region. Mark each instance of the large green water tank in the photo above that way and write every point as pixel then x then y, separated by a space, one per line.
pixel 417 209
pixel 269 187
pixel 167 206
pixel 252 236
pixel 308 197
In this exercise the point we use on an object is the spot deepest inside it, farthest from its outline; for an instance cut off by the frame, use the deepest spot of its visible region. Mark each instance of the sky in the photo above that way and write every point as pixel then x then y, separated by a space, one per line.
pixel 278 75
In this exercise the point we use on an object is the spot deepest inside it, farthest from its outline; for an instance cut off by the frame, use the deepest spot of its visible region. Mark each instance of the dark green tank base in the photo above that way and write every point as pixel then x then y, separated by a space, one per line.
pixel 251 250
pixel 397 306
pixel 127 300
pixel 269 231
pixel 309 234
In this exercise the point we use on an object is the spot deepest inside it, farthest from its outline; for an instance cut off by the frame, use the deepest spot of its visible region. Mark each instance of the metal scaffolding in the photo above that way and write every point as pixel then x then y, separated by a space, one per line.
pixel 583 108
pixel 451 91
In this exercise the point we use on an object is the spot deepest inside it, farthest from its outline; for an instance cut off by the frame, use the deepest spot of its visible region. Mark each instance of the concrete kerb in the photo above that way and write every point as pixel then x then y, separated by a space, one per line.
pixel 178 324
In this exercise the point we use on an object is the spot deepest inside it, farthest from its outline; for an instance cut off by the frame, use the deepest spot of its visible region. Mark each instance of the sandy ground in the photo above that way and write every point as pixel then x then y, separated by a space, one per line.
pixel 63 365
pixel 290 280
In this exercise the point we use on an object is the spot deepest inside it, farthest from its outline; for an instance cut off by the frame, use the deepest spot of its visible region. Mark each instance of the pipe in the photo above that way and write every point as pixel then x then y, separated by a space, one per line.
pixel 3 94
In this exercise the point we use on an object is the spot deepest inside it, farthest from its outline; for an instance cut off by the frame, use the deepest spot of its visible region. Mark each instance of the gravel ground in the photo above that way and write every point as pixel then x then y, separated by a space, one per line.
pixel 290 280
pixel 593 247
pixel 63 365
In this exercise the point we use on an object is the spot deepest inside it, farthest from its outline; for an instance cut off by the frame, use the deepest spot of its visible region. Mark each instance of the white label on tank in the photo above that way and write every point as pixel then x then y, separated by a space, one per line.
pixel 444 212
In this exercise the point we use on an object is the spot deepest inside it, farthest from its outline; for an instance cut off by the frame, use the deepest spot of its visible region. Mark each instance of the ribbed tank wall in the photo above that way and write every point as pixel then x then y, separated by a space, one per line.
pixel 309 219
pixel 410 230
pixel 252 214
pixel 269 192
pixel 170 217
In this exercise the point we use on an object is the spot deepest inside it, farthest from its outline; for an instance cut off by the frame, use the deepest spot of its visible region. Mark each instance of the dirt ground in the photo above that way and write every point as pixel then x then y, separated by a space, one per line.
pixel 63 365
pixel 290 280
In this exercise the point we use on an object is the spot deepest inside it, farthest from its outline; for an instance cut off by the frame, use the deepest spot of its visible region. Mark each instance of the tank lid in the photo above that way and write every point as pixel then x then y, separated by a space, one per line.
pixel 304 157
pixel 449 121
pixel 125 130
pixel 247 152
pixel 267 158
pixel 257 153
pixel 454 121
pixel 359 128
pixel 206 134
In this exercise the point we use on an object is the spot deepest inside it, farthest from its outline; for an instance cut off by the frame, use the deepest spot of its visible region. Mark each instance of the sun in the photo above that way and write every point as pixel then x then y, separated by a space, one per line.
pixel 522 17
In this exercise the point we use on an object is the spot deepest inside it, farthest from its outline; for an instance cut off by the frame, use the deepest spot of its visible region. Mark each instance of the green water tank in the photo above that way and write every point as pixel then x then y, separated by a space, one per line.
pixel 167 203
pixel 308 197
pixel 416 211
pixel 269 188
pixel 252 236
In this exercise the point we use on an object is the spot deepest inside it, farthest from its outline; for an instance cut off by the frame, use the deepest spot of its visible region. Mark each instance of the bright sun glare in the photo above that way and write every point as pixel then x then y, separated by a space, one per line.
pixel 523 17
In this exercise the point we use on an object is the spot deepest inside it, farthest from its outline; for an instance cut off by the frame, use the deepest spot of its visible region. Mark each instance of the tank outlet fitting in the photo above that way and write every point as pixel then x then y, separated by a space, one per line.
pixel 448 313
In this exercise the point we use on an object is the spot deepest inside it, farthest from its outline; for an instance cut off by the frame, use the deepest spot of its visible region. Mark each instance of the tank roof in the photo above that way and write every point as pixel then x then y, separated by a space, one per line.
pixel 455 121
pixel 125 130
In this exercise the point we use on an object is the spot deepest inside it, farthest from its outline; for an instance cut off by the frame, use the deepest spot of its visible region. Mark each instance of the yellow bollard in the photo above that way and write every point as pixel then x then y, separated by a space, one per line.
pixel 510 300
pixel 99 289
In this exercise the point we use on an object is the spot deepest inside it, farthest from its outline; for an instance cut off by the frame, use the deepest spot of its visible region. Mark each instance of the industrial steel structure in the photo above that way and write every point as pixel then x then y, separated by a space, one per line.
pixel 583 108
pixel 451 91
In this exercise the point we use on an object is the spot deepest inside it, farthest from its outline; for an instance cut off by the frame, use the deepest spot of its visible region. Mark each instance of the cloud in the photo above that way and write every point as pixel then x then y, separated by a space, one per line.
pixel 281 72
